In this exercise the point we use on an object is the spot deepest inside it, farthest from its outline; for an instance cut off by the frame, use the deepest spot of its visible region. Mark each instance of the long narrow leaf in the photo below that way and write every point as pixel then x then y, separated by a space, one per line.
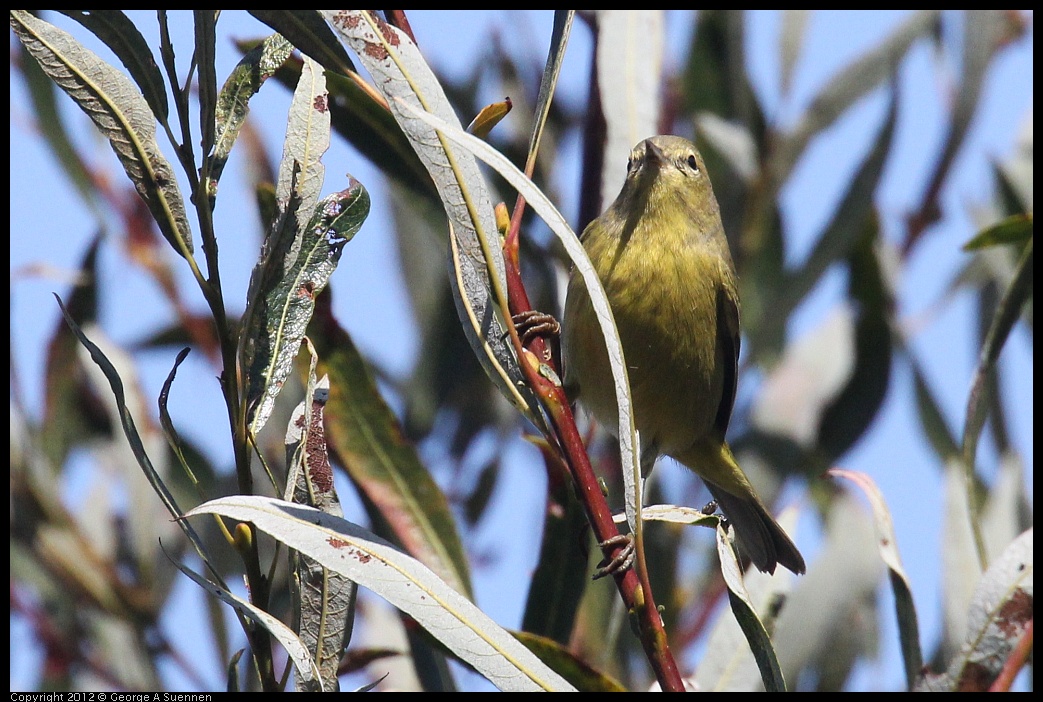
pixel 1008 312
pixel 301 172
pixel 297 651
pixel 559 40
pixel 307 31
pixel 323 599
pixel 294 270
pixel 122 115
pixel 629 73
pixel 887 542
pixel 404 79
pixel 852 83
pixel 244 82
pixel 746 615
pixel 118 33
pixel 131 431
pixel 205 60
pixel 404 582
pixel 848 223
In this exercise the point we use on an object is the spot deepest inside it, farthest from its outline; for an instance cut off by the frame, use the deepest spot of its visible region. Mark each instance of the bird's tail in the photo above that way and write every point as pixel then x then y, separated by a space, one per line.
pixel 757 532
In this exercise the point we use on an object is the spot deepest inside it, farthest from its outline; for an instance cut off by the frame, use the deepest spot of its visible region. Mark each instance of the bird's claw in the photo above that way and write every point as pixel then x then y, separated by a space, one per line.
pixel 623 560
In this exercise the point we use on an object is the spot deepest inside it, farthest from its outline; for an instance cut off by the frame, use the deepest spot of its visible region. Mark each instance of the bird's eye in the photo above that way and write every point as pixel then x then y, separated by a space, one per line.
pixel 691 162
pixel 630 164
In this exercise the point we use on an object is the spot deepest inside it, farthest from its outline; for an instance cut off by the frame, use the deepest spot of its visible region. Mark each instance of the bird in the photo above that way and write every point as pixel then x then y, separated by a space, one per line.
pixel 663 259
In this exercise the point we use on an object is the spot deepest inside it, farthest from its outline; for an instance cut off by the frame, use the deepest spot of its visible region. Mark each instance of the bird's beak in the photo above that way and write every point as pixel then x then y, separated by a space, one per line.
pixel 653 154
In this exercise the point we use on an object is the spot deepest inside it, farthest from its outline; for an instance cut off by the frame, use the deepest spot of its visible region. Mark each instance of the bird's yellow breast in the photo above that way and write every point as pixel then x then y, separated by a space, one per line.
pixel 663 287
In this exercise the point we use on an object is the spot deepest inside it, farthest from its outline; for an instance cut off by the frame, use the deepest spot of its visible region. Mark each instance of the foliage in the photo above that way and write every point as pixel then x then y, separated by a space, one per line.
pixel 307 410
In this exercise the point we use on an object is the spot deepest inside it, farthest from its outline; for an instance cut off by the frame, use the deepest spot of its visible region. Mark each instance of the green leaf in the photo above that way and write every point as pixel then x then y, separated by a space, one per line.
pixel 295 267
pixel 72 411
pixel 848 415
pixel 1016 229
pixel 366 440
pixel 715 77
pixel 569 665
pixel 404 582
pixel 932 419
pixel 122 115
pixel 243 83
pixel 118 33
pixel 560 577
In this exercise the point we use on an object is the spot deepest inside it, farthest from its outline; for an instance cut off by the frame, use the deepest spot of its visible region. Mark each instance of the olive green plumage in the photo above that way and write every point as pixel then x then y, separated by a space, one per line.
pixel 662 257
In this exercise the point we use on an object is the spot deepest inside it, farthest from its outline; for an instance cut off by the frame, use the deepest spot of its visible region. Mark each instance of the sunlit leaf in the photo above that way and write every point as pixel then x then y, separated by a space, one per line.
pixel 830 618
pixel 296 266
pixel 629 74
pixel 559 40
pixel 116 106
pixel 1000 614
pixel 404 582
pixel 301 172
pixel 404 78
pixel 489 117
pixel 243 83
pixel 118 33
